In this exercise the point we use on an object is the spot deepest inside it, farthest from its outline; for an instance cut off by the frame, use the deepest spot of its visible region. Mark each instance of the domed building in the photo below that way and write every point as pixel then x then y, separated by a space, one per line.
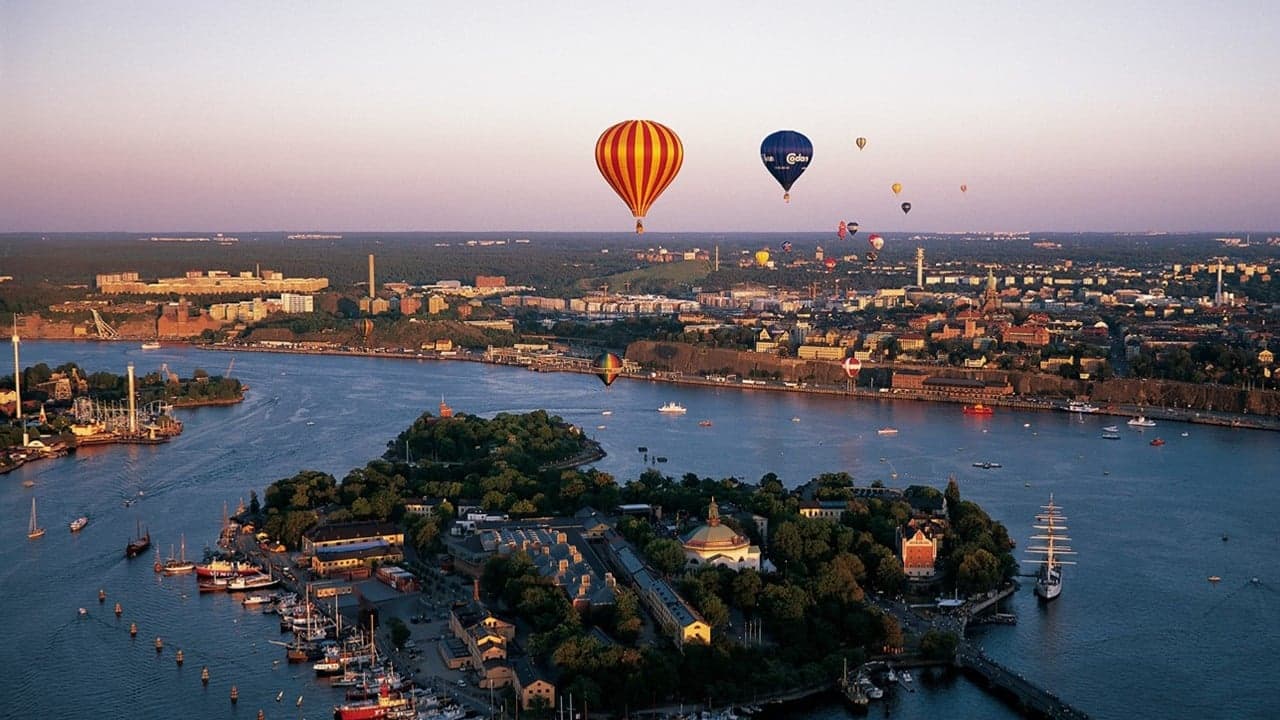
pixel 716 544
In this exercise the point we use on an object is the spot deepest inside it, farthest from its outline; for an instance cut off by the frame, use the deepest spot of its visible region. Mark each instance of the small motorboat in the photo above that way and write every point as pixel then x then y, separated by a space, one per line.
pixel 607 412
pixel 704 423
pixel 1214 578
pixel 1157 442
pixel 1111 428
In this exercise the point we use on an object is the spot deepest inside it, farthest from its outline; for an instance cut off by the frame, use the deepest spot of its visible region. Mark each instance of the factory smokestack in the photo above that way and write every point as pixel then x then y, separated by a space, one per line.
pixel 373 288
pixel 920 267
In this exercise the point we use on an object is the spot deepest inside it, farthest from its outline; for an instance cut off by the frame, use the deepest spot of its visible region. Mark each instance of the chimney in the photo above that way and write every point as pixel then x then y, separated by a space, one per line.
pixel 373 288
pixel 475 584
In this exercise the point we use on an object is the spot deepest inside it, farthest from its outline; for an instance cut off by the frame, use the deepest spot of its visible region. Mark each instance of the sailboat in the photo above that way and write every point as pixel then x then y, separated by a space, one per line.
pixel 34 530
pixel 179 565
pixel 138 545
pixel 1049 579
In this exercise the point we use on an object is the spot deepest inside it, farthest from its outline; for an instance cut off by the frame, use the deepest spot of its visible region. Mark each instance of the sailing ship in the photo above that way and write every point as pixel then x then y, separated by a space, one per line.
pixel 179 565
pixel 33 529
pixel 138 545
pixel 1050 521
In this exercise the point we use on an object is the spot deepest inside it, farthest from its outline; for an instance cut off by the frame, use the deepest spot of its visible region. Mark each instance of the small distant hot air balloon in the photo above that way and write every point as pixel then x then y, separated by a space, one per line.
pixel 842 230
pixel 639 159
pixel 607 367
pixel 786 246
pixel 851 367
pixel 876 242
pixel 830 263
pixel 861 142
pixel 366 327
pixel 762 257
pixel 871 257
pixel 852 226
pixel 896 188
pixel 786 154
pixel 906 208
pixel 964 188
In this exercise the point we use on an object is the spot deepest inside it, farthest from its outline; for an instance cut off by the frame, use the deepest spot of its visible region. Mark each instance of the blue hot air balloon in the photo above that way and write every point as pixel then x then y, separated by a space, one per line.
pixel 786 154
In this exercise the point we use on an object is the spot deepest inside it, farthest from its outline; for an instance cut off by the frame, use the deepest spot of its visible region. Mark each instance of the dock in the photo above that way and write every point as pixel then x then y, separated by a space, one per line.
pixel 1030 698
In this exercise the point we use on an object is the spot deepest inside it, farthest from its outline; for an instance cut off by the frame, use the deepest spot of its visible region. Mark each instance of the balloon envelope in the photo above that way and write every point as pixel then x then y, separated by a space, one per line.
pixel 964 188
pixel 639 159
pixel 785 155
pixel 762 257
pixel 896 188
pixel 842 230
pixel 851 366
pixel 786 246
pixel 853 228
pixel 862 142
pixel 607 367
pixel 906 208
pixel 876 242
pixel 830 263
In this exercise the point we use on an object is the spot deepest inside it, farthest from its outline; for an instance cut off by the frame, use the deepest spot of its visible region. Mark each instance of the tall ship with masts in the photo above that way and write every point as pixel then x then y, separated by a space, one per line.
pixel 1053 538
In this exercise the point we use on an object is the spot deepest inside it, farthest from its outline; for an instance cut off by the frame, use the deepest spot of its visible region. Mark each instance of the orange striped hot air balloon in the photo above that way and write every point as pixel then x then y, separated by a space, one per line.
pixel 639 159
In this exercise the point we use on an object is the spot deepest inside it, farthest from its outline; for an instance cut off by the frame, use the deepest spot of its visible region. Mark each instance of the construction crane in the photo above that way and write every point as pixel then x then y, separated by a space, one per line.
pixel 105 331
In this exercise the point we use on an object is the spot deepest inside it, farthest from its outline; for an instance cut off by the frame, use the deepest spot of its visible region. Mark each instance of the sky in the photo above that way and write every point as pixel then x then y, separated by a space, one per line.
pixel 483 116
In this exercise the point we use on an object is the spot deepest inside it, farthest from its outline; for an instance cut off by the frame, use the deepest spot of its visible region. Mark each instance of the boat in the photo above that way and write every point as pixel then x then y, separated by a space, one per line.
pixel 1157 442
pixel 795 419
pixel 986 465
pixel 139 544
pixel 219 568
pixel 1111 428
pixel 1050 521
pixel 906 676
pixel 33 528
pixel 673 408
pixel 1110 436
pixel 78 524
pixel 179 565
pixel 260 581
pixel 607 412
pixel 1078 406
pixel 978 409
pixel 258 599
pixel 870 688
pixel 1214 578
pixel 887 431
pixel 704 423
pixel 1186 434
pixel 1141 421
pixel 217 584
pixel 151 345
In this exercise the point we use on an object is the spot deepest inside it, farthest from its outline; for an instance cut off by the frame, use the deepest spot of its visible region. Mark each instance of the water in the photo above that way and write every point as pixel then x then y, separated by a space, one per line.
pixel 1137 631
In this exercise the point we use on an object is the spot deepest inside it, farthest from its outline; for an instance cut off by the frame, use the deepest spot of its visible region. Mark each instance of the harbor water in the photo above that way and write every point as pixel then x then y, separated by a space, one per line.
pixel 1138 631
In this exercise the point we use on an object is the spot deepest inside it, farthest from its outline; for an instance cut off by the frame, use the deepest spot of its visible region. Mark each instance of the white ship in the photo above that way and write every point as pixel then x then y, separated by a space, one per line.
pixel 1080 407
pixel 1049 579
pixel 1141 421
pixel 673 408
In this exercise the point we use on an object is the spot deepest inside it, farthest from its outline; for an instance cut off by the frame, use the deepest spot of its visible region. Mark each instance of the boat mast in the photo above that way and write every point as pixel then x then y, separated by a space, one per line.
pixel 1050 521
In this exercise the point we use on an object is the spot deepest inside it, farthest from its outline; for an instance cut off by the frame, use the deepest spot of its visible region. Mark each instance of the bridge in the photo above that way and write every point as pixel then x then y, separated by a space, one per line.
pixel 1031 698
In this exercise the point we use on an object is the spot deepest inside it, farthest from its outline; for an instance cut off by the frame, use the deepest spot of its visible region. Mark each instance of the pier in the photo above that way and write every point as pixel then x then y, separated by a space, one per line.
pixel 1030 698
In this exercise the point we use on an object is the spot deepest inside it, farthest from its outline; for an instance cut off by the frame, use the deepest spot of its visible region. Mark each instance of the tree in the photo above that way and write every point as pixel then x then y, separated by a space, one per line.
pixel 952 494
pixel 937 645
pixel 666 555
pixel 746 590
pixel 979 572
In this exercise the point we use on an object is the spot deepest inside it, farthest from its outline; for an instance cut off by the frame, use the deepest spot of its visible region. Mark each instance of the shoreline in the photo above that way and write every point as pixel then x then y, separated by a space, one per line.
pixel 1219 419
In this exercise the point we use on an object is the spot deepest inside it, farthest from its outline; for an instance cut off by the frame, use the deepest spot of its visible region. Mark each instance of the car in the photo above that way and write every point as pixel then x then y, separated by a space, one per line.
pixel 462 683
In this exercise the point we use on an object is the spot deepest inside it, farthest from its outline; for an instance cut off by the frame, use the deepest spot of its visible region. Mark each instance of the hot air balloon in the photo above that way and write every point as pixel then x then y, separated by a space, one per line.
pixel 830 263
pixel 964 188
pixel 851 367
pixel 786 246
pixel 639 159
pixel 852 226
pixel 842 230
pixel 607 367
pixel 366 327
pixel 762 257
pixel 896 188
pixel 871 257
pixel 876 242
pixel 786 154
pixel 906 208
pixel 861 142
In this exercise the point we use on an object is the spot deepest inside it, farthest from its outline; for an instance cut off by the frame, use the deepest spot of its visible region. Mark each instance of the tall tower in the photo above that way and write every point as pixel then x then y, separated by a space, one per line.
pixel 717 258
pixel 133 407
pixel 373 288
pixel 17 384
pixel 1217 297
pixel 920 266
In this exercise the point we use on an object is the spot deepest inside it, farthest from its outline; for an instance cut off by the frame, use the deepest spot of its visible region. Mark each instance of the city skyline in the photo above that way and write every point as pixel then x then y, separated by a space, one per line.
pixel 458 118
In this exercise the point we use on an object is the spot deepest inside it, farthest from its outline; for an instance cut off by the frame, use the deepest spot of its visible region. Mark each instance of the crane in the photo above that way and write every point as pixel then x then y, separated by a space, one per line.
pixel 105 331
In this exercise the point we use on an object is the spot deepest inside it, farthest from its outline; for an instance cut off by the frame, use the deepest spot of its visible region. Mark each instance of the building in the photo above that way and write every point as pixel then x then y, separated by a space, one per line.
pixel 919 553
pixel 436 304
pixel 491 281
pixel 534 688
pixel 211 282
pixel 673 613
pixel 716 544
pixel 295 303
pixel 824 509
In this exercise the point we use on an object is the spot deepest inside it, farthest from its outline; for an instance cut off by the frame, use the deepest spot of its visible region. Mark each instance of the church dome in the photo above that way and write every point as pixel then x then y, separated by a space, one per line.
pixel 714 537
